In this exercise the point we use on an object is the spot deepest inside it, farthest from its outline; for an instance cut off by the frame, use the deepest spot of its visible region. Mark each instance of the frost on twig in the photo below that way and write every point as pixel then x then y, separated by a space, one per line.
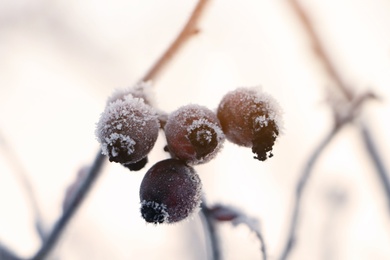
pixel 236 217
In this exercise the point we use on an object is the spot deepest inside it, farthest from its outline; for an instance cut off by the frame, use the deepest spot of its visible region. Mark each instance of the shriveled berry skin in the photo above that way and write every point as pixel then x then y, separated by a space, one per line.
pixel 170 192
pixel 194 134
pixel 250 118
pixel 127 130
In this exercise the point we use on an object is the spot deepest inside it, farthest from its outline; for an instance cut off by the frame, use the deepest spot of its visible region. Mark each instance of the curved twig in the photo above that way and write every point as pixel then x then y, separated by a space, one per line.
pixel 210 232
pixel 188 30
pixel 25 182
pixel 300 188
pixel 80 195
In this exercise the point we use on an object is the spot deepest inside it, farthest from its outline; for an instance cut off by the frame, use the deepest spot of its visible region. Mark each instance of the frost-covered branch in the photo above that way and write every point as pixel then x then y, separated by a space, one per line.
pixel 224 213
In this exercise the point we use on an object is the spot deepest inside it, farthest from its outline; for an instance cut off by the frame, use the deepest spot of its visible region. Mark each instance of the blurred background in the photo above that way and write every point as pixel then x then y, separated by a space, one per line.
pixel 60 60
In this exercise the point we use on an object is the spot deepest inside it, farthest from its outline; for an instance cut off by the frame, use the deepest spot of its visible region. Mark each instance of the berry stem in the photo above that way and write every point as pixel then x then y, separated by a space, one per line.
pixel 210 232
pixel 188 30
pixel 79 197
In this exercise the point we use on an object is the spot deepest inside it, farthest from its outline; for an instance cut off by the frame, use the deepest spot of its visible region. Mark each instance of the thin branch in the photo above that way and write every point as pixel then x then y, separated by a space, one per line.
pixel 61 224
pixel 320 50
pixel 254 227
pixel 300 189
pixel 210 232
pixel 224 213
pixel 376 159
pixel 188 30
pixel 25 182
pixel 6 254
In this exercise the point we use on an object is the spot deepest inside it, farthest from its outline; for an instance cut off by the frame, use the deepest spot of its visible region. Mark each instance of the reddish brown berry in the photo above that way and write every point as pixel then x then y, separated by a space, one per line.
pixel 194 134
pixel 127 130
pixel 170 192
pixel 251 118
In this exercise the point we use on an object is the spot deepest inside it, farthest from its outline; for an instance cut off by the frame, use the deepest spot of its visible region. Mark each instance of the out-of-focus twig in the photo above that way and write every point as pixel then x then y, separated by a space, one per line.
pixel 300 188
pixel 74 204
pixel 21 174
pixel 376 159
pixel 319 49
pixel 342 116
pixel 211 234
pixel 188 30
pixel 6 254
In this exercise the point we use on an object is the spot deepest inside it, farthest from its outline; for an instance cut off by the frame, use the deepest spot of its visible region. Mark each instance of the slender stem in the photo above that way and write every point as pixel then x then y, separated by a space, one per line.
pixel 25 182
pixel 376 159
pixel 210 232
pixel 188 30
pixel 6 254
pixel 300 189
pixel 61 224
pixel 320 50
pixel 253 226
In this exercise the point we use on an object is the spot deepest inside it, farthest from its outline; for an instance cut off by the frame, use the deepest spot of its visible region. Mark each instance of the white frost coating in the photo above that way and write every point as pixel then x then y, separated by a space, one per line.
pixel 124 113
pixel 272 106
pixel 204 121
pixel 141 90
pixel 125 140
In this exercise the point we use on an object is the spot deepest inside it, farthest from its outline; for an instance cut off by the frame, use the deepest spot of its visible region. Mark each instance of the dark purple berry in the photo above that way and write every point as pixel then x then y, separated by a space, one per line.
pixel 170 192
pixel 194 134
pixel 251 118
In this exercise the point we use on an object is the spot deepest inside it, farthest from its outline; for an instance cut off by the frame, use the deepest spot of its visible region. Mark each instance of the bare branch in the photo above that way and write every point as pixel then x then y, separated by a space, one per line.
pixel 210 232
pixel 74 204
pixel 22 176
pixel 236 217
pixel 320 50
pixel 373 152
pixel 188 30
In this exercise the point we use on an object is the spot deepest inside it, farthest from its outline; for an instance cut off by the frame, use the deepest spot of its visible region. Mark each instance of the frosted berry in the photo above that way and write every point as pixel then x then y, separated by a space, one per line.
pixel 194 134
pixel 170 192
pixel 127 130
pixel 251 118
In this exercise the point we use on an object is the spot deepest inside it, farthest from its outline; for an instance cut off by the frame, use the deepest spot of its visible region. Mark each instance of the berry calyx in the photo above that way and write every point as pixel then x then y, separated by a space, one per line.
pixel 170 192
pixel 251 118
pixel 194 134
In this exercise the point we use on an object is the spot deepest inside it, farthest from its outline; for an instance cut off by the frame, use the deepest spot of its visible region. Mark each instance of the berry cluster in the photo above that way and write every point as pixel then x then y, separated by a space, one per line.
pixel 171 189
